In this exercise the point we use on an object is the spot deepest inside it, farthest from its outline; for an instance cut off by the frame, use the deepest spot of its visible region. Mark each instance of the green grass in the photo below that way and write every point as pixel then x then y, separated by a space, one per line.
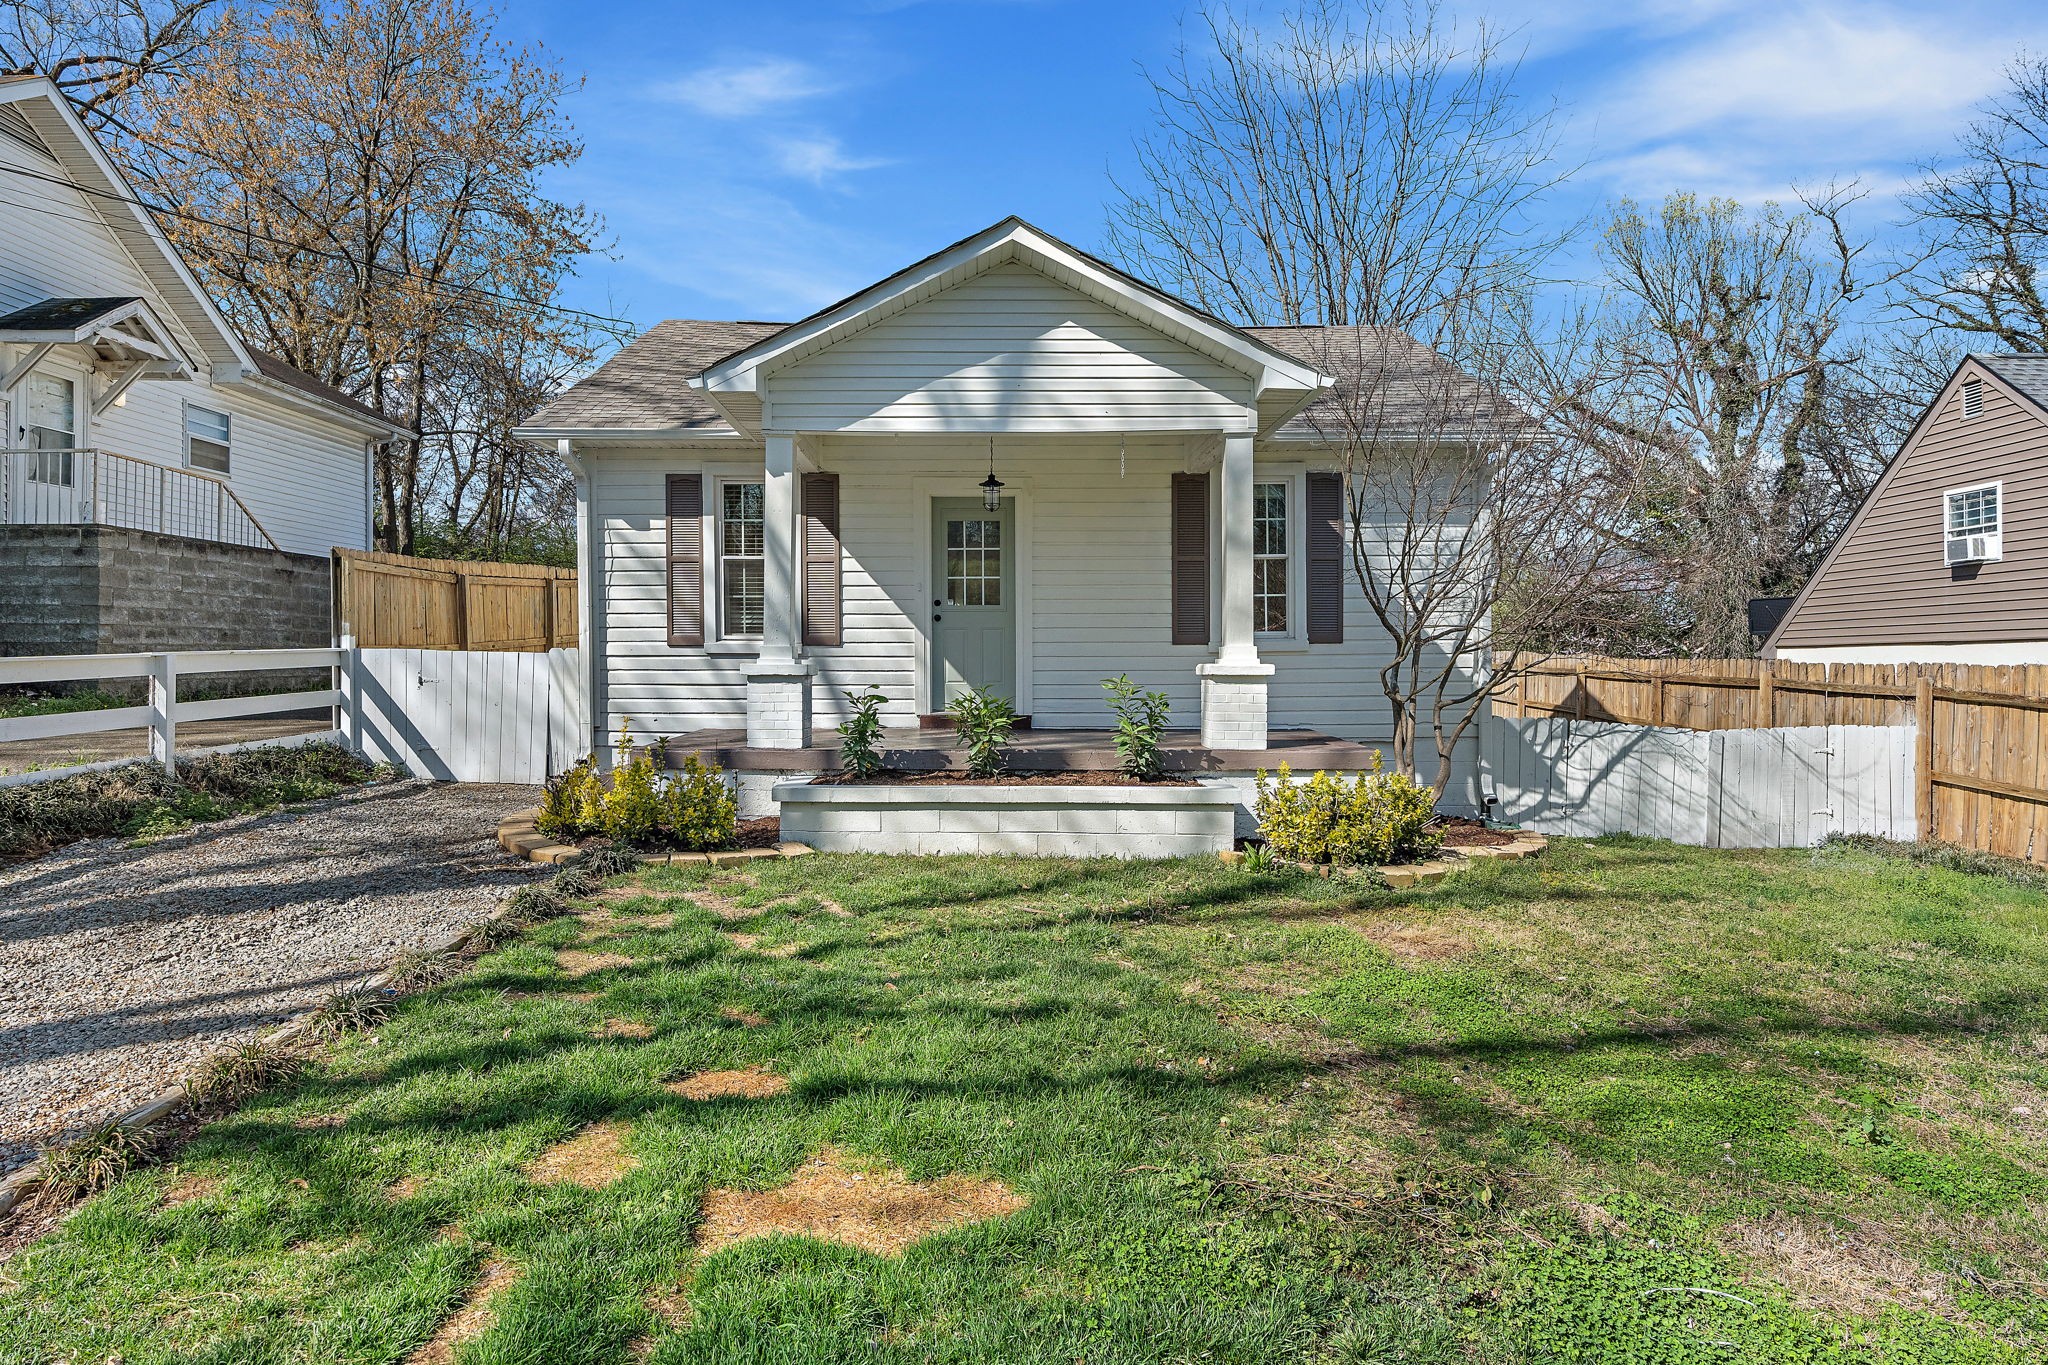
pixel 13 707
pixel 1625 1102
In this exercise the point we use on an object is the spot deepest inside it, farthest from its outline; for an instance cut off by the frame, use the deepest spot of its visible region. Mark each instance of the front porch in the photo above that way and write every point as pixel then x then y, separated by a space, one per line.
pixel 1072 750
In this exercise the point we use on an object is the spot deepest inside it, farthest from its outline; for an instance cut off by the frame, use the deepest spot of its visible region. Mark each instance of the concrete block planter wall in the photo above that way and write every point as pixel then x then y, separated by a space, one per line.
pixel 1035 821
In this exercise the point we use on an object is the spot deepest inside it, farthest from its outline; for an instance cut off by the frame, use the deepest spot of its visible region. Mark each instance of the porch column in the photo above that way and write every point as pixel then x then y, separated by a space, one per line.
pixel 778 681
pixel 1234 686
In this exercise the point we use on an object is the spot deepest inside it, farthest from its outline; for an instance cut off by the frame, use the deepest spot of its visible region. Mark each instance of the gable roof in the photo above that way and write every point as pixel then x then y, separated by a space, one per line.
pixel 278 372
pixel 641 388
pixel 2024 375
pixel 1386 380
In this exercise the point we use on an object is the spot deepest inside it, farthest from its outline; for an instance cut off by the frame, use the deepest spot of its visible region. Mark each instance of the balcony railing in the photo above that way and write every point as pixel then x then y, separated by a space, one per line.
pixel 100 488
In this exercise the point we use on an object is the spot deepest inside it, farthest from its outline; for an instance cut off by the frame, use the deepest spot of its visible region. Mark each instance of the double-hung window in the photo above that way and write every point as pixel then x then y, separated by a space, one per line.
pixel 1272 538
pixel 742 586
pixel 1972 522
pixel 206 439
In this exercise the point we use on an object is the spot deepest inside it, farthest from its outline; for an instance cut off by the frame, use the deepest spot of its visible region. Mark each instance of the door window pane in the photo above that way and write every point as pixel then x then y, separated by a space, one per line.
pixel 51 409
pixel 974 562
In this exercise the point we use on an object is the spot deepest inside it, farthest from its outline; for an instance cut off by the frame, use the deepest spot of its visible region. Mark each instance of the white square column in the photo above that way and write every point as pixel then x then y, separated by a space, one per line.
pixel 1234 686
pixel 779 681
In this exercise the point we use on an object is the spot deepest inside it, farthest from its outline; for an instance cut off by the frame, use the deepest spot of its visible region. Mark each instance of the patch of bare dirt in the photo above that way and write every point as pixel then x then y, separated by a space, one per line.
pixel 576 963
pixel 472 1318
pixel 751 943
pixel 593 1158
pixel 320 1120
pixel 187 1188
pixel 1841 1270
pixel 721 906
pixel 748 1083
pixel 1416 942
pixel 623 1028
pixel 744 1017
pixel 1460 832
pixel 880 1211
pixel 404 1187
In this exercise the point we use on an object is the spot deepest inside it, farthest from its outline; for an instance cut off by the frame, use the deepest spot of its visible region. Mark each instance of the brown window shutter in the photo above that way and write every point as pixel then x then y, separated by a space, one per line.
pixel 1325 581
pixel 821 558
pixel 1191 559
pixel 686 559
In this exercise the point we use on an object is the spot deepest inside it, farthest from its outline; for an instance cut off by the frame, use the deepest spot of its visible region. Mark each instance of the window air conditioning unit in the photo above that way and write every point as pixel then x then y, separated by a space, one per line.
pixel 1969 549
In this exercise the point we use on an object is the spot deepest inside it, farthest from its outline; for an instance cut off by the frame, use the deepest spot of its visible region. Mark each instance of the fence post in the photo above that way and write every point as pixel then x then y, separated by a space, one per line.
pixel 1657 701
pixel 1923 755
pixel 163 707
pixel 1766 695
pixel 1579 687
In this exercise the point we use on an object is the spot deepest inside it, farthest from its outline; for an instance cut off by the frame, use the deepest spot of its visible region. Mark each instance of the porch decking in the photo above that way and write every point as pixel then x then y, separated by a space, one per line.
pixel 1029 751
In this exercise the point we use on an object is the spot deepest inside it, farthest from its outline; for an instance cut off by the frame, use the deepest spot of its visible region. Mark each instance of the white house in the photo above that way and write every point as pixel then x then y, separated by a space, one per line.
pixel 130 409
pixel 775 515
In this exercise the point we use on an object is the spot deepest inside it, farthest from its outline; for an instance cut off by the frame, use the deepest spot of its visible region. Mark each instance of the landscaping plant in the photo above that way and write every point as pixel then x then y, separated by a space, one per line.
pixel 701 811
pixel 861 732
pixel 1140 725
pixel 562 802
pixel 985 721
pixel 632 808
pixel 1376 818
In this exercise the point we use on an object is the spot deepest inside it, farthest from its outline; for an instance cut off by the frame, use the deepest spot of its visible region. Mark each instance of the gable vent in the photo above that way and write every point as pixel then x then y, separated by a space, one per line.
pixel 1973 398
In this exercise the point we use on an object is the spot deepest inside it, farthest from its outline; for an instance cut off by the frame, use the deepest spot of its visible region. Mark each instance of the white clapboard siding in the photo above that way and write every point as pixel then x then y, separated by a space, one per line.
pixel 302 476
pixel 1010 347
pixel 1789 787
pixel 464 715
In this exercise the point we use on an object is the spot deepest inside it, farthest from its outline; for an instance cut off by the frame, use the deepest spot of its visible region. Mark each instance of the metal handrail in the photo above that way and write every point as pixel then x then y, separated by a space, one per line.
pixel 106 488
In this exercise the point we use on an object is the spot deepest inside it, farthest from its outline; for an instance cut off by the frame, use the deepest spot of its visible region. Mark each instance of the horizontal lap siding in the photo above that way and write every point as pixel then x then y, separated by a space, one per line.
pixel 1007 347
pixel 303 478
pixel 1887 582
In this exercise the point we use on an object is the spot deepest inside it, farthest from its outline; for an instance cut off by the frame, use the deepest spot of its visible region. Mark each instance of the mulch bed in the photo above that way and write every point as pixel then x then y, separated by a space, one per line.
pixel 764 832
pixel 1460 832
pixel 954 777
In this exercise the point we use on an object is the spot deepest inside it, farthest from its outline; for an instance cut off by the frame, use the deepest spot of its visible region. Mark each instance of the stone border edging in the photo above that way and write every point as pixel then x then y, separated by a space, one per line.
pixel 519 836
pixel 153 1111
pixel 1401 876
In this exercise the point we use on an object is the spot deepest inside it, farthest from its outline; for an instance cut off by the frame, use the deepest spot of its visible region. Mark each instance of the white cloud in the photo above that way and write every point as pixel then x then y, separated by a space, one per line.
pixel 758 85
pixel 817 157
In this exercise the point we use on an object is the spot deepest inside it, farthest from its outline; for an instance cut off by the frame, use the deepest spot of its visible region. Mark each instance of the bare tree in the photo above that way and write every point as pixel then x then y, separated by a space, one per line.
pixel 1349 162
pixel 1987 223
pixel 359 185
pixel 1727 387
pixel 1368 171
pixel 103 54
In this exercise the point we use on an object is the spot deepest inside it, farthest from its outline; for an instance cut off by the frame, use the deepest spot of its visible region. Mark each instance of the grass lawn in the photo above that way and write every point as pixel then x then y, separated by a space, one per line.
pixel 1623 1102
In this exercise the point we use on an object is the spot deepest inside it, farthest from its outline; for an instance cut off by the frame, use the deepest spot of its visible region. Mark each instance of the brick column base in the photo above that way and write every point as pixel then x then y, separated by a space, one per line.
pixel 779 706
pixel 1234 705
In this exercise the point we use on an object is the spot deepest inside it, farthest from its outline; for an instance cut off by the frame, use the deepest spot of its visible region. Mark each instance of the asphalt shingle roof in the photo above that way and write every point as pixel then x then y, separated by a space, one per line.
pixel 2025 372
pixel 274 369
pixel 641 387
pixel 67 315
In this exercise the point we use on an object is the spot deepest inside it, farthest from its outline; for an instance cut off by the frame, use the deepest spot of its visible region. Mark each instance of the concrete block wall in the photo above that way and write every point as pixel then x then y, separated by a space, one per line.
pixel 99 590
pixel 1050 822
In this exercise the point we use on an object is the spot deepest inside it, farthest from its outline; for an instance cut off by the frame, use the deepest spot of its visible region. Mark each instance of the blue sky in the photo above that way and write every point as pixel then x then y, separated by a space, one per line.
pixel 756 160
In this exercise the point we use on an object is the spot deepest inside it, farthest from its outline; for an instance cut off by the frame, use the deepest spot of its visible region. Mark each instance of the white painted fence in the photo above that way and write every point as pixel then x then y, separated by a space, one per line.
pixel 465 715
pixel 1789 787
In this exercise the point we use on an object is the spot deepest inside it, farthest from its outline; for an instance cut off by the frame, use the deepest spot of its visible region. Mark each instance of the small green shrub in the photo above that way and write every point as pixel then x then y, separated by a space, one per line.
pixel 1140 725
pixel 562 802
pixel 350 1009
pixel 632 808
pixel 1376 818
pixel 491 931
pixel 984 720
pixel 861 732
pixel 607 862
pixel 532 904
pixel 247 1069
pixel 573 881
pixel 700 809
pixel 93 1161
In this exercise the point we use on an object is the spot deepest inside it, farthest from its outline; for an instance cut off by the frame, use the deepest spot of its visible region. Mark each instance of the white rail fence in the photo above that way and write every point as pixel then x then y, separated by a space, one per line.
pixel 1789 787
pixel 456 715
pixel 102 488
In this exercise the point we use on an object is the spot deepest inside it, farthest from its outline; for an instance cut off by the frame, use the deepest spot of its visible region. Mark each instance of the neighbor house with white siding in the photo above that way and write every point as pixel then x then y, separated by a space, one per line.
pixel 149 457
pixel 1008 466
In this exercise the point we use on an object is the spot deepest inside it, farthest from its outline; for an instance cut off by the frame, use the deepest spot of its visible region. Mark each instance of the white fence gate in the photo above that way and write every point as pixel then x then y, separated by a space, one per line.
pixel 1780 788
pixel 465 715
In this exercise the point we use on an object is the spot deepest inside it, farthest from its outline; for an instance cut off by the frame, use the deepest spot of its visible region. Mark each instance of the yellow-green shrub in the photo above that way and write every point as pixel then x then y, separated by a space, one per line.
pixel 1375 818
pixel 632 808
pixel 562 802
pixel 700 810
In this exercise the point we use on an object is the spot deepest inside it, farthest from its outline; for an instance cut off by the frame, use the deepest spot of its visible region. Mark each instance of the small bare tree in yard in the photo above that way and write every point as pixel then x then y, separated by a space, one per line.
pixel 1366 172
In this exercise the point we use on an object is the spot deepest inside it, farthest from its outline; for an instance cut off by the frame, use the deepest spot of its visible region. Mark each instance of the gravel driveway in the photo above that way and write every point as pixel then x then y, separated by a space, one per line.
pixel 122 967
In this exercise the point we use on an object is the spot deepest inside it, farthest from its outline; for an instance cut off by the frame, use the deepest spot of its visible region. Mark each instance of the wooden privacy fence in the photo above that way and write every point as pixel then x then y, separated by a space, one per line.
pixel 402 602
pixel 1981 766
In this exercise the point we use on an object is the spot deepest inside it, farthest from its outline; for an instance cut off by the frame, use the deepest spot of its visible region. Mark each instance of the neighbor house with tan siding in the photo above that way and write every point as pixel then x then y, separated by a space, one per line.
pixel 1947 559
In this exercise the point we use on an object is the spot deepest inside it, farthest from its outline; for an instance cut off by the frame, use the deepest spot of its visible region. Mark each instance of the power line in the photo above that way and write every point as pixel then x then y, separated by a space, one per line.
pixel 341 257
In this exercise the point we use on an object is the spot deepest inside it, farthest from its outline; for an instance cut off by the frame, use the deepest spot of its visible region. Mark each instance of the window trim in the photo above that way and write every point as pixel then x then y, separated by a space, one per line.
pixel 1997 531
pixel 1294 479
pixel 714 516
pixel 185 410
